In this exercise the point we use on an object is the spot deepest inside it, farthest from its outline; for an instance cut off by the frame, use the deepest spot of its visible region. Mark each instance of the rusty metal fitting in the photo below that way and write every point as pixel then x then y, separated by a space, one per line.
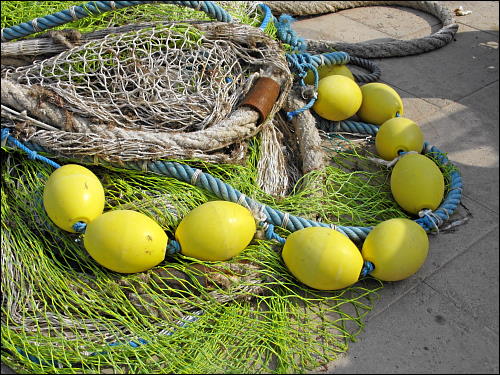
pixel 262 96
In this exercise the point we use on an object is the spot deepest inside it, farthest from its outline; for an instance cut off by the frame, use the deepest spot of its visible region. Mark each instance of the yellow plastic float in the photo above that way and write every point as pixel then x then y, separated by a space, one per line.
pixel 216 230
pixel 328 70
pixel 72 194
pixel 380 103
pixel 322 258
pixel 398 134
pixel 125 241
pixel 338 98
pixel 397 248
pixel 417 183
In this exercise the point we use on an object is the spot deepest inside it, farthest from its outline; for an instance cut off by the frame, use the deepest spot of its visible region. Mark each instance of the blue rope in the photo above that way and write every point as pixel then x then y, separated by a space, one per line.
pixel 287 35
pixel 368 268
pixel 268 16
pixel 173 247
pixel 224 191
pixel 31 154
pixel 97 7
pixel 80 227
pixel 271 234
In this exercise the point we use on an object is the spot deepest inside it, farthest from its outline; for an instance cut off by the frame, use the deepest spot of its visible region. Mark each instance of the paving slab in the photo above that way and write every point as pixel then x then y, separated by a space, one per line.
pixel 464 281
pixel 443 249
pixel 338 28
pixel 482 16
pixel 470 137
pixel 396 21
pixel 424 333
pixel 448 74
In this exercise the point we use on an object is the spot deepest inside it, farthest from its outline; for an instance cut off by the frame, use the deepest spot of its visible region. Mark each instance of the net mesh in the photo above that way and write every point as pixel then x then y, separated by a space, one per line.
pixel 63 313
pixel 115 98
pixel 164 78
pixel 143 93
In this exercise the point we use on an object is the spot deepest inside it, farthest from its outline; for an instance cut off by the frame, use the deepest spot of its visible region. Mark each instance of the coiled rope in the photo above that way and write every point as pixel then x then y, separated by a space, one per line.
pixel 388 48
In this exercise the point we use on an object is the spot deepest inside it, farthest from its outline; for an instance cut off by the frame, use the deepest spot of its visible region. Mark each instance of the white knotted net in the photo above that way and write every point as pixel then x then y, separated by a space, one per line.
pixel 167 77
pixel 161 90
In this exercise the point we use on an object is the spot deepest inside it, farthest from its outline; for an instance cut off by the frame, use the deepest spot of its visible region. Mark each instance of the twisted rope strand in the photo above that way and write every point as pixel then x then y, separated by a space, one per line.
pixel 97 7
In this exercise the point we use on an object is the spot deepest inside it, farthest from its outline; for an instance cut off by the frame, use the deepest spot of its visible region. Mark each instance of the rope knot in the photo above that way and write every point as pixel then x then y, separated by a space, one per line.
pixel 173 247
pixel 368 268
pixel 432 218
pixel 80 227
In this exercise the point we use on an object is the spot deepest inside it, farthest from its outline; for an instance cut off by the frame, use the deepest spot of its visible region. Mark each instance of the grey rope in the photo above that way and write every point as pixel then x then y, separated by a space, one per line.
pixel 391 48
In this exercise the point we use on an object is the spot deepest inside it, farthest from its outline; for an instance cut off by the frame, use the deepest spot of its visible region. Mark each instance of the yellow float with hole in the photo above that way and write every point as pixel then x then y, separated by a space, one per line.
pixel 417 183
pixel 322 258
pixel 380 103
pixel 397 248
pixel 125 241
pixel 72 194
pixel 398 134
pixel 338 98
pixel 328 70
pixel 216 230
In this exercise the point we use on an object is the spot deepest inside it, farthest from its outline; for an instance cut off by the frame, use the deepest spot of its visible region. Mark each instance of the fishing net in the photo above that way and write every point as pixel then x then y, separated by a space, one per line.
pixel 125 93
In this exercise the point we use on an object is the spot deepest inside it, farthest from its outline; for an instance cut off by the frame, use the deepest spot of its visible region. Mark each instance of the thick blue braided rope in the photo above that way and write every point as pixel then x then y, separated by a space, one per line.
pixel 97 7
pixel 293 223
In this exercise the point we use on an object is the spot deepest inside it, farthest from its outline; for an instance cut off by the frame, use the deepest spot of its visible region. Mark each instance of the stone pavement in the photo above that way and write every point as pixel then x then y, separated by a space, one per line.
pixel 445 318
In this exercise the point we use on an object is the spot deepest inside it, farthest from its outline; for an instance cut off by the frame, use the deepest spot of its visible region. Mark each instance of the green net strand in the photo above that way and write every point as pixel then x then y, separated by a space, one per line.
pixel 65 285
pixel 64 313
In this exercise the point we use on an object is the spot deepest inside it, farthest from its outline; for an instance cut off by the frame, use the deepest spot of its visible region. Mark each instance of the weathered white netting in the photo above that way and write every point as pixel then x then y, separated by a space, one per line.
pixel 155 79
pixel 170 90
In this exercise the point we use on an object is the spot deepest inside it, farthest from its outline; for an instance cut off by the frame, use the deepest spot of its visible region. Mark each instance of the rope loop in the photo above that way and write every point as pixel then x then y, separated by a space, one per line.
pixel 270 233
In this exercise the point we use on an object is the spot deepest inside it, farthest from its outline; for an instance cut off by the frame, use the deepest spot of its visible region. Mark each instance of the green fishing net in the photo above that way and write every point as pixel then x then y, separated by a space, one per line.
pixel 64 313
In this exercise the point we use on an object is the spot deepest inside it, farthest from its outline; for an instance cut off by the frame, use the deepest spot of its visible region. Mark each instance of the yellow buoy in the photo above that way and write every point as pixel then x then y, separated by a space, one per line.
pixel 73 193
pixel 417 183
pixel 322 258
pixel 397 248
pixel 328 70
pixel 216 230
pixel 398 134
pixel 380 103
pixel 125 241
pixel 338 98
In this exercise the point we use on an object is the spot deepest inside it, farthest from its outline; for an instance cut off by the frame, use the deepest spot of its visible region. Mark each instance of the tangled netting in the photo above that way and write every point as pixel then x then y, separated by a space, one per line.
pixel 158 79
pixel 153 92
pixel 63 313
pixel 136 96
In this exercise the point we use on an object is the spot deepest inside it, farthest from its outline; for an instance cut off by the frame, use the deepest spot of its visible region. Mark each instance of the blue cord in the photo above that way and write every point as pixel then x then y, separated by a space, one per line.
pixel 267 16
pixel 31 154
pixel 368 267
